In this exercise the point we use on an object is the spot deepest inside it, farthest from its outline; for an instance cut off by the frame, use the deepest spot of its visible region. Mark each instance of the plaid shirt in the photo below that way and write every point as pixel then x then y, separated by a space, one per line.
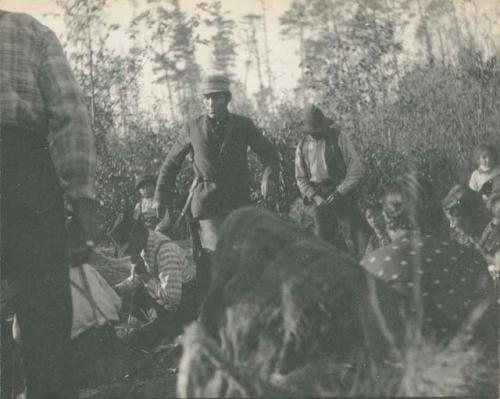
pixel 39 92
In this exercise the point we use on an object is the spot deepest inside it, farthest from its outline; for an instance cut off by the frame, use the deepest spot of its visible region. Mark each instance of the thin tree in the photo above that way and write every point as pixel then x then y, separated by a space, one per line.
pixel 266 51
pixel 294 22
pixel 250 21
pixel 223 46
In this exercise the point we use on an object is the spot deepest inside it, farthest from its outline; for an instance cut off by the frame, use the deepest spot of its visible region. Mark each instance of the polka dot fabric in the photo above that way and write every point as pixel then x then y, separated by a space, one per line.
pixel 450 278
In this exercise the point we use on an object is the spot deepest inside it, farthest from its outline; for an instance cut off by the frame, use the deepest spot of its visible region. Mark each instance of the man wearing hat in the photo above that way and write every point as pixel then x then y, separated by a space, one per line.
pixel 161 278
pixel 328 170
pixel 144 210
pixel 217 141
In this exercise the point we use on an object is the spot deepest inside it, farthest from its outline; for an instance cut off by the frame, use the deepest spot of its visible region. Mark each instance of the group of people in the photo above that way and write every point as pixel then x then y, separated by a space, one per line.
pixel 48 164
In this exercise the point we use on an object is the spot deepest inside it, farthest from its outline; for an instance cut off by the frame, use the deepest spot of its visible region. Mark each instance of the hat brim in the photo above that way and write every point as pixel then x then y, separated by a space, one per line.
pixel 212 91
pixel 138 186
pixel 312 130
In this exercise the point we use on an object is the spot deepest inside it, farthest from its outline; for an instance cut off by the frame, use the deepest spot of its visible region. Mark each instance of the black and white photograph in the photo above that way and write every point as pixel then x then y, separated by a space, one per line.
pixel 249 198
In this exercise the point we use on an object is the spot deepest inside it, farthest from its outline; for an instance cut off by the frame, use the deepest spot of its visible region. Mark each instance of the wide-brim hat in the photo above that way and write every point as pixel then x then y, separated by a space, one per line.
pixel 215 84
pixel 313 120
pixel 124 230
pixel 141 180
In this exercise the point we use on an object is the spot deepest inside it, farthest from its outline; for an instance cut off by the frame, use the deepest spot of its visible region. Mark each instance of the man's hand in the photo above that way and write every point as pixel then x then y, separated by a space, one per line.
pixel 85 212
pixel 267 186
pixel 138 266
pixel 158 208
pixel 333 197
pixel 318 200
pixel 494 272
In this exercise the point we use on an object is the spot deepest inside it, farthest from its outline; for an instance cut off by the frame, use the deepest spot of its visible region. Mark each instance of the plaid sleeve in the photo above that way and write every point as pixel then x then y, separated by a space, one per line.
pixel 166 288
pixel 70 135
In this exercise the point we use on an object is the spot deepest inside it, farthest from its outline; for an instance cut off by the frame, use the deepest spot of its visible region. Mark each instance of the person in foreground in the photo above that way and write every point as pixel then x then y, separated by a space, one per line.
pixel 47 153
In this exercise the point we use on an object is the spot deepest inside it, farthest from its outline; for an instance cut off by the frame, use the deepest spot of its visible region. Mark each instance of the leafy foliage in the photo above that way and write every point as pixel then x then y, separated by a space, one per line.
pixel 401 114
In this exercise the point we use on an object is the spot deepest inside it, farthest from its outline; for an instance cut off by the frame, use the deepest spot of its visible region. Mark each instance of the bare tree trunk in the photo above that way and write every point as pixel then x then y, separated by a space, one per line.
pixel 302 65
pixel 394 55
pixel 381 76
pixel 169 87
pixel 441 47
pixel 257 56
pixel 247 67
pixel 343 59
pixel 427 36
pixel 456 24
pixel 266 47
pixel 91 71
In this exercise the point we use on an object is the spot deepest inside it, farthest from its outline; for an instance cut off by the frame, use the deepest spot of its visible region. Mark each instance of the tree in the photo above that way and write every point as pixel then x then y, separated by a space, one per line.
pixel 172 45
pixel 221 42
pixel 86 35
pixel 294 22
pixel 266 51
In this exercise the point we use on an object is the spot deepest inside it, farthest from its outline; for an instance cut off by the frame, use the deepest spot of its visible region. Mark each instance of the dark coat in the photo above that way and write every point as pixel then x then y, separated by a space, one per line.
pixel 219 162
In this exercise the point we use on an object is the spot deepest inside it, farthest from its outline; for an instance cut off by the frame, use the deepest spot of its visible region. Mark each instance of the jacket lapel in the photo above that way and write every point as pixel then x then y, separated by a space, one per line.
pixel 228 132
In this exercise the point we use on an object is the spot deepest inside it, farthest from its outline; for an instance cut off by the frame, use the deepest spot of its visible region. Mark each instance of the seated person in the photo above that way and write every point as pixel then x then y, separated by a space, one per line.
pixel 486 177
pixel 447 280
pixel 467 215
pixel 375 220
pixel 144 210
pixel 161 279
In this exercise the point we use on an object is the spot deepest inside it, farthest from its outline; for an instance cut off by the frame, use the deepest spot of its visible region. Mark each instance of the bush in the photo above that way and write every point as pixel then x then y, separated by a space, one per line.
pixel 435 119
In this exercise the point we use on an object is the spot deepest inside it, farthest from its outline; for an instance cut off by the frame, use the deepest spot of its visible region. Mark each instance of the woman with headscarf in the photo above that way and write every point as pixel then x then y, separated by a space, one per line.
pixel 441 284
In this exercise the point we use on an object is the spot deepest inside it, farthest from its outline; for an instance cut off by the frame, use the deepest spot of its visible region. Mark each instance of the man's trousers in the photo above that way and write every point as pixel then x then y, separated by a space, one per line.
pixel 34 259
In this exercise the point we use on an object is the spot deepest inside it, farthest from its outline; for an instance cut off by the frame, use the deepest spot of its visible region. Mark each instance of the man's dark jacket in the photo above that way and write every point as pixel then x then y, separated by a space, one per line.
pixel 219 162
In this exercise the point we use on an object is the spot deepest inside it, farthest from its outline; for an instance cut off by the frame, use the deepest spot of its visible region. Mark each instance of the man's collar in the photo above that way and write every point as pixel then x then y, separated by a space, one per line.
pixel 220 120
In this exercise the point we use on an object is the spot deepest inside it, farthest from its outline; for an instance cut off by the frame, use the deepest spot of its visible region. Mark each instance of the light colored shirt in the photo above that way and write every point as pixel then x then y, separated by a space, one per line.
pixel 38 90
pixel 146 212
pixel 168 269
pixel 311 166
pixel 479 177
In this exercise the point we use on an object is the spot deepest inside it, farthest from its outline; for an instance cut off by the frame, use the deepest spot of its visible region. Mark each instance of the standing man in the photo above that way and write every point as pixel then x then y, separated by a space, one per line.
pixel 218 142
pixel 328 170
pixel 47 150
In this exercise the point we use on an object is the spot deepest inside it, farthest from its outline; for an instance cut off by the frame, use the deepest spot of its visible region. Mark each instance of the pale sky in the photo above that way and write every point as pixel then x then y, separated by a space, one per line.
pixel 283 53
pixel 284 61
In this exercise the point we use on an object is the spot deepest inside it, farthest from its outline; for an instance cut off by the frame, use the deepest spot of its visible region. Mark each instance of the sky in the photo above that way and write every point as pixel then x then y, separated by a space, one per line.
pixel 283 53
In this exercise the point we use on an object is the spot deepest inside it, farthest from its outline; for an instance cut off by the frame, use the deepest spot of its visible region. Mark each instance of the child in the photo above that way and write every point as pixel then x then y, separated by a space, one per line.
pixel 144 210
pixel 487 174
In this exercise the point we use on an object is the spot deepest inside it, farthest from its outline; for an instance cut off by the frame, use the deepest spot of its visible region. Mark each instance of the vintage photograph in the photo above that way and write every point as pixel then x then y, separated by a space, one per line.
pixel 249 198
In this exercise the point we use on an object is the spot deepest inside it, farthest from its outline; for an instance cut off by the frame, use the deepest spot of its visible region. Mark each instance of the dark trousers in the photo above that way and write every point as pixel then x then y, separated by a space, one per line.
pixel 34 260
pixel 168 324
pixel 327 219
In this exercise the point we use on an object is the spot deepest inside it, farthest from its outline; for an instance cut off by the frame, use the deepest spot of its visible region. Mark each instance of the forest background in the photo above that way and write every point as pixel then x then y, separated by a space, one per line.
pixel 415 83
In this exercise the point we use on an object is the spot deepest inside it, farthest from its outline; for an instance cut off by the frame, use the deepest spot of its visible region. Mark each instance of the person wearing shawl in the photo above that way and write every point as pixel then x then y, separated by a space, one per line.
pixel 440 282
